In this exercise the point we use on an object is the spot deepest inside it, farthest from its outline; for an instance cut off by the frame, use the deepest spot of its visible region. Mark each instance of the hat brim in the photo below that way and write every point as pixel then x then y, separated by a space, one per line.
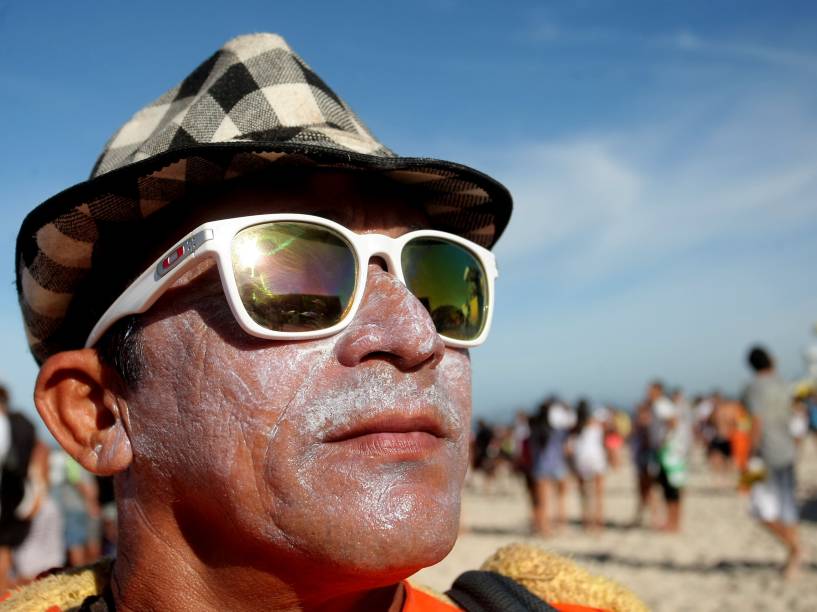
pixel 498 204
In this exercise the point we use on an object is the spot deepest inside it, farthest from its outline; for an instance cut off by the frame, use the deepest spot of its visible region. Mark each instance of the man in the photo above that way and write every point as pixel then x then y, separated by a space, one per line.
pixel 768 399
pixel 283 392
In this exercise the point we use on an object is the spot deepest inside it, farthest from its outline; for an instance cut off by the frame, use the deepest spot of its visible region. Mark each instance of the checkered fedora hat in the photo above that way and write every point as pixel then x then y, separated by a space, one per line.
pixel 253 106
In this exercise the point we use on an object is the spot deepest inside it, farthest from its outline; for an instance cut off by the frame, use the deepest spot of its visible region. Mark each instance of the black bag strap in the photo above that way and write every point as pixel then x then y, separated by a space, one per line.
pixel 478 591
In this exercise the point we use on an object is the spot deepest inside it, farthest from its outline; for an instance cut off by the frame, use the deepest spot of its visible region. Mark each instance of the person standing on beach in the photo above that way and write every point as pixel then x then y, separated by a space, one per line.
pixel 724 419
pixel 548 439
pixel 589 460
pixel 768 399
pixel 666 463
pixel 640 446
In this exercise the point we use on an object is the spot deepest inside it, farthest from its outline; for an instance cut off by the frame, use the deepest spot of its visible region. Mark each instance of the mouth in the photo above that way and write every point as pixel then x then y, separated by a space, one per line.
pixel 398 437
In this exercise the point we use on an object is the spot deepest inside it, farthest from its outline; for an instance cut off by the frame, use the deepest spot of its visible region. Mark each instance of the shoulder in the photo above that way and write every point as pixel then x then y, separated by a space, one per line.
pixel 524 577
pixel 65 590
pixel 559 581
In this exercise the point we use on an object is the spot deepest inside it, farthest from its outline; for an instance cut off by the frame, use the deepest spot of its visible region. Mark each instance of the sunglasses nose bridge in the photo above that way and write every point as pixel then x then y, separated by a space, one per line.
pixel 383 247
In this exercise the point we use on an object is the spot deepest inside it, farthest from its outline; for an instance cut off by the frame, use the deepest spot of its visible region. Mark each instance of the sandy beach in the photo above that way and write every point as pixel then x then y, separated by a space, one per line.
pixel 723 560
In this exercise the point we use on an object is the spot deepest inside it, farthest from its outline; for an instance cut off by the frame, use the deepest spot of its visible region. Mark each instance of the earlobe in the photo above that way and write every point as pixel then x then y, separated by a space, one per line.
pixel 79 399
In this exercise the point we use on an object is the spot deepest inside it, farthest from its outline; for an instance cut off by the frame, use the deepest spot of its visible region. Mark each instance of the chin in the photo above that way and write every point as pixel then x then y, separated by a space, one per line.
pixel 372 520
pixel 418 538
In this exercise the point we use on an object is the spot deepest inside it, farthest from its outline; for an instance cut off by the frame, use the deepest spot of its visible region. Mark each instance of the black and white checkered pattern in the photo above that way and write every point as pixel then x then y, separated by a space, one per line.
pixel 250 107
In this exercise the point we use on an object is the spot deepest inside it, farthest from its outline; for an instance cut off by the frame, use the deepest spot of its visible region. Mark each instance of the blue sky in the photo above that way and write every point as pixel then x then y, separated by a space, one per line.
pixel 662 155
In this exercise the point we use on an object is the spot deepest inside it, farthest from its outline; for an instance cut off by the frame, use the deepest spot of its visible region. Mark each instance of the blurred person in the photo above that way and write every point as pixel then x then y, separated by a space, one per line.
pixel 665 459
pixel 482 441
pixel 724 422
pixel 502 445
pixel 798 424
pixel 79 502
pixel 500 458
pixel 685 420
pixel 616 428
pixel 523 461
pixel 768 399
pixel 643 460
pixel 15 516
pixel 107 514
pixel 548 438
pixel 43 549
pixel 702 408
pixel 811 405
pixel 673 454
pixel 589 459
pixel 5 447
pixel 742 438
pixel 624 422
pixel 526 463
pixel 484 455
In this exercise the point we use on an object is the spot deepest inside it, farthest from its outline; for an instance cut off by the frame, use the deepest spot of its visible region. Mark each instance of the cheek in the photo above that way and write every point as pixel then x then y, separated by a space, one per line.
pixel 212 412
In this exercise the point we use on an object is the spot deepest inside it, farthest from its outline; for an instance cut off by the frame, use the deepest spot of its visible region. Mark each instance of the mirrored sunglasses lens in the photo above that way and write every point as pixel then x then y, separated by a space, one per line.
pixel 450 282
pixel 293 276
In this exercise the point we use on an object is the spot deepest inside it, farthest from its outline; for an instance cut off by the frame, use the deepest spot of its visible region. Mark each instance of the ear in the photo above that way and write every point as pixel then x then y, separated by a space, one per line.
pixel 79 398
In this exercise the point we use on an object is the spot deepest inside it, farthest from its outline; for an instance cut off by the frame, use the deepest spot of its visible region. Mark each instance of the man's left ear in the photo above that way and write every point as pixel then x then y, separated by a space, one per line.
pixel 80 400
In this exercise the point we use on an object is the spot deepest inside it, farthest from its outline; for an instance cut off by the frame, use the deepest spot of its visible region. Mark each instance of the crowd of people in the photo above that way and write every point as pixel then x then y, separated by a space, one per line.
pixel 751 440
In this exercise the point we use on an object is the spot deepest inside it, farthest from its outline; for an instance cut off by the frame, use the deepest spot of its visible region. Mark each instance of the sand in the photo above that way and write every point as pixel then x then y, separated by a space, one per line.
pixel 722 560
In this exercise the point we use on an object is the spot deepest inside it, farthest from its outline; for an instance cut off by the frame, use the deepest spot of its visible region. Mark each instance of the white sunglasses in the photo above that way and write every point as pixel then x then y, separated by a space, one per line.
pixel 299 277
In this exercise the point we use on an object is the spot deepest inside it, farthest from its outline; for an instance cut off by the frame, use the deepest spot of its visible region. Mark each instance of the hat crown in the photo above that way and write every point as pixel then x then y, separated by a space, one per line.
pixel 255 88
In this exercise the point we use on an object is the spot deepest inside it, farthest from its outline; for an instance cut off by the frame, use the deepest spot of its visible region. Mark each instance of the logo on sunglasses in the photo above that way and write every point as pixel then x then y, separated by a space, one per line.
pixel 181 251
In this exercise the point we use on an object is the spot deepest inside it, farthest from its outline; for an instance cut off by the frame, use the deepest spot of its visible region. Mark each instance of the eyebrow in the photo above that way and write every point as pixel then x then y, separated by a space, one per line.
pixel 341 216
pixel 333 214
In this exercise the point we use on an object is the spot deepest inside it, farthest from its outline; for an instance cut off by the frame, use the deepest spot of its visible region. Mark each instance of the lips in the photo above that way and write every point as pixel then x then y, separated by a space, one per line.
pixel 398 436
pixel 389 424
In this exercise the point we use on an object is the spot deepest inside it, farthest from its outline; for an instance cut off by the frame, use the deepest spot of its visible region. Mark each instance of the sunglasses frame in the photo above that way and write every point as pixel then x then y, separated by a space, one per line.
pixel 214 240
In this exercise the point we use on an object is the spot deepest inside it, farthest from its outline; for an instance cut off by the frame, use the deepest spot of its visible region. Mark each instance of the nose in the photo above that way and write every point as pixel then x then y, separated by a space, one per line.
pixel 390 324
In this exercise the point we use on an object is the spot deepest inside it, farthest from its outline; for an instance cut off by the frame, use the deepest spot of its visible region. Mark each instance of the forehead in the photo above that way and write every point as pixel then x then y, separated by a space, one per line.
pixel 359 201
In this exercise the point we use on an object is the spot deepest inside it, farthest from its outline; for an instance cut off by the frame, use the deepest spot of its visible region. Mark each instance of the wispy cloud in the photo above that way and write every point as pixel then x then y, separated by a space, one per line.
pixel 551 32
pixel 685 40
pixel 775 56
pixel 608 200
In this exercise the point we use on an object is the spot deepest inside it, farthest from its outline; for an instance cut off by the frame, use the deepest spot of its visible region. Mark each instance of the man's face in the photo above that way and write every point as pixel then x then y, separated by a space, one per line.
pixel 347 451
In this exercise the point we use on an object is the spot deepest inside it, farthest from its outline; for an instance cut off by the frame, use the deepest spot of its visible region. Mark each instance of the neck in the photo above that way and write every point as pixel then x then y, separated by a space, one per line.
pixel 156 569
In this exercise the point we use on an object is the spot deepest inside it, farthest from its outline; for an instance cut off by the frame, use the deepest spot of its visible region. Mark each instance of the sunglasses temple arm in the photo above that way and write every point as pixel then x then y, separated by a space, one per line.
pixel 137 298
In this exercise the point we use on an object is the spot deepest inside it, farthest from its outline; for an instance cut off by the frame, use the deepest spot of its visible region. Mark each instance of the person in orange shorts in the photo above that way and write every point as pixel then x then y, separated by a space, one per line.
pixel 741 437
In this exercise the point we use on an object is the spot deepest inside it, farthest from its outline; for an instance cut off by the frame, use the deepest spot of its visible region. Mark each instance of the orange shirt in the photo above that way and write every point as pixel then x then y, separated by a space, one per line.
pixel 420 601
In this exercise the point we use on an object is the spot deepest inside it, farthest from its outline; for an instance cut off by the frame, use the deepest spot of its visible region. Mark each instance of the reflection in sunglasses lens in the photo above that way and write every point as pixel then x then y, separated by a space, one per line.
pixel 450 282
pixel 293 276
